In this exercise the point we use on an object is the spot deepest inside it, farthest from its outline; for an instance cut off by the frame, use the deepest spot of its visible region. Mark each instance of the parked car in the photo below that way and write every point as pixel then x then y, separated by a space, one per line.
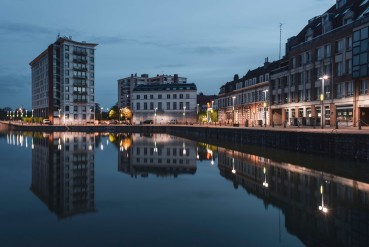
pixel 46 121
pixel 148 121
pixel 172 121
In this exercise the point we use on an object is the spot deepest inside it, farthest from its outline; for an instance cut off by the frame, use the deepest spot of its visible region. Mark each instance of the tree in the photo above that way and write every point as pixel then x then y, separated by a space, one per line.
pixel 126 113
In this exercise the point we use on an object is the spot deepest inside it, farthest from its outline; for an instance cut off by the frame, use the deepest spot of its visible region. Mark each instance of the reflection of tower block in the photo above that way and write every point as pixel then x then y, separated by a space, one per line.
pixel 63 173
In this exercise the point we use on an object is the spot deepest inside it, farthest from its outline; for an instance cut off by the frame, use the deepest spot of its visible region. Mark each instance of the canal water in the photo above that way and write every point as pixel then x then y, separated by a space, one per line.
pixel 123 189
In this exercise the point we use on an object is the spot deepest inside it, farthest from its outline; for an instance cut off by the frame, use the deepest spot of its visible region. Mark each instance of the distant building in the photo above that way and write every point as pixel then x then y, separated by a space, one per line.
pixel 244 100
pixel 164 102
pixel 126 85
pixel 63 82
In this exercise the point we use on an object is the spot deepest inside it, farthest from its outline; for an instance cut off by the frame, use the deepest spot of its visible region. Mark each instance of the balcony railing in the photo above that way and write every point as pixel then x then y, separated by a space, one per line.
pixel 83 53
pixel 79 61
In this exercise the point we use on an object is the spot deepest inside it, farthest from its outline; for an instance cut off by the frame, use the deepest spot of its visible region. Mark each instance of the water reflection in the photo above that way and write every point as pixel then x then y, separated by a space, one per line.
pixel 322 209
pixel 159 154
pixel 63 172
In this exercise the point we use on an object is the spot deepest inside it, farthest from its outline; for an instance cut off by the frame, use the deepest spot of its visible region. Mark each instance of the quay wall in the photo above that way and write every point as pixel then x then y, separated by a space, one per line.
pixel 330 143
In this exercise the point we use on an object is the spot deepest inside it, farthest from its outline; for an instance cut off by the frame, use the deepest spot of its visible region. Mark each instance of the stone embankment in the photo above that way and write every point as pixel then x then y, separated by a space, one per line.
pixel 347 143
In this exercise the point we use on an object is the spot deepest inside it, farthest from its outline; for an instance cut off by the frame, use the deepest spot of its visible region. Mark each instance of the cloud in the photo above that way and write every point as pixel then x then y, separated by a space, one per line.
pixel 24 28
pixel 15 90
pixel 209 50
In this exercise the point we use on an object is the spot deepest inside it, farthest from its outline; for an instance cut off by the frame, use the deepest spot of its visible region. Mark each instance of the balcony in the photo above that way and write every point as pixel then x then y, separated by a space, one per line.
pixel 79 69
pixel 79 77
pixel 84 61
pixel 80 84
pixel 82 53
pixel 80 101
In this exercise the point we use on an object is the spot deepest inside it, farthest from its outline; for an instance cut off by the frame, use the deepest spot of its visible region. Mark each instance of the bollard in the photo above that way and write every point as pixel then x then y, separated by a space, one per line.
pixel 359 124
pixel 337 124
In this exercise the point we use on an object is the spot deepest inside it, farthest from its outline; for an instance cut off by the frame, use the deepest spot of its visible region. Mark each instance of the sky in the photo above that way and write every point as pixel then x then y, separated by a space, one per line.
pixel 207 41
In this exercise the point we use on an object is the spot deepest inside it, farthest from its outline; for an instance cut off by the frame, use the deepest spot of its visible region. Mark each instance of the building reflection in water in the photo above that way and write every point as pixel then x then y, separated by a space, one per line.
pixel 159 154
pixel 63 172
pixel 321 209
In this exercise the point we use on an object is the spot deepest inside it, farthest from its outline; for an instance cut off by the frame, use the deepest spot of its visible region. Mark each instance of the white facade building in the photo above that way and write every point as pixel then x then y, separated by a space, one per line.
pixel 162 103
pixel 63 82
pixel 126 85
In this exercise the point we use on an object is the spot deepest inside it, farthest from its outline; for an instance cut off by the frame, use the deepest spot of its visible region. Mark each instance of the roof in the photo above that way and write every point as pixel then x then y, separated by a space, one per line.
pixel 335 15
pixel 165 87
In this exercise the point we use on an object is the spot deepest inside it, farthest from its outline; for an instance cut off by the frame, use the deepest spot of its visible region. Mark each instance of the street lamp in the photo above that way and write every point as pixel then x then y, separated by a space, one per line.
pixel 155 109
pixel 197 112
pixel 233 98
pixel 265 106
pixel 325 77
pixel 59 116
pixel 184 114
pixel 233 170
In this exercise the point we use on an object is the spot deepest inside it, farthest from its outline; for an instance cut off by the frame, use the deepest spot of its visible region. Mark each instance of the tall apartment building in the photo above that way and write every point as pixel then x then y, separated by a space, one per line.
pixel 126 85
pixel 63 82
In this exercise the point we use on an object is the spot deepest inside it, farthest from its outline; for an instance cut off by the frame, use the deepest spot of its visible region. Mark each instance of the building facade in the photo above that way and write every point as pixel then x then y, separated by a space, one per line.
pixel 245 101
pixel 162 103
pixel 63 82
pixel 323 77
pixel 126 85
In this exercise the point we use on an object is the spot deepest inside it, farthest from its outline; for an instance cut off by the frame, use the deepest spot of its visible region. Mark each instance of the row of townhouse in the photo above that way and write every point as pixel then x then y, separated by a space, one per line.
pixel 321 80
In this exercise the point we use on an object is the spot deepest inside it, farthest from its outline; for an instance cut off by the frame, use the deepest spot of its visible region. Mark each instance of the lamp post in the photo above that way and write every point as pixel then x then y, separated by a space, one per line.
pixel 233 98
pixel 265 106
pixel 32 116
pixel 184 114
pixel 155 109
pixel 322 112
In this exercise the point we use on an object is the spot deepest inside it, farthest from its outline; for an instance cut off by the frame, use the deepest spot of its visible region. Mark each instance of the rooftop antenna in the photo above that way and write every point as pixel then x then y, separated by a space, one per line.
pixel 280 39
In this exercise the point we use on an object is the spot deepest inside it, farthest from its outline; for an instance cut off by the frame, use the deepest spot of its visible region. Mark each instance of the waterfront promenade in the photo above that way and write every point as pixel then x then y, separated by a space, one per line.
pixel 345 142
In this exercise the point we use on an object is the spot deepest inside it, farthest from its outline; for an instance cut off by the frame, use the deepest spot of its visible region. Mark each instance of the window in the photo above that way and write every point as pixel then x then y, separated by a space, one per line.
pixel 66 47
pixel 67 108
pixel 160 106
pixel 145 106
pixel 138 96
pixel 349 43
pixel 138 107
pixel 339 69
pixel 350 89
pixel 174 96
pixel 67 89
pixel 181 96
pixel 151 96
pixel 168 105
pixel 159 96
pixel 180 105
pixel 75 108
pixel 145 96
pixel 151 106
pixel 187 105
pixel 339 90
pixel 348 66
pixel 174 105
pixel 319 54
pixel 187 96
pixel 364 87
pixel 327 51
pixel 67 64
pixel 66 80
pixel 339 46
pixel 168 96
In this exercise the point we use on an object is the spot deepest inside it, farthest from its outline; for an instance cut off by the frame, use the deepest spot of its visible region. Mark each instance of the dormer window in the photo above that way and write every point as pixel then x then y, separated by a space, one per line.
pixel 348 17
pixel 309 34
pixel 340 3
